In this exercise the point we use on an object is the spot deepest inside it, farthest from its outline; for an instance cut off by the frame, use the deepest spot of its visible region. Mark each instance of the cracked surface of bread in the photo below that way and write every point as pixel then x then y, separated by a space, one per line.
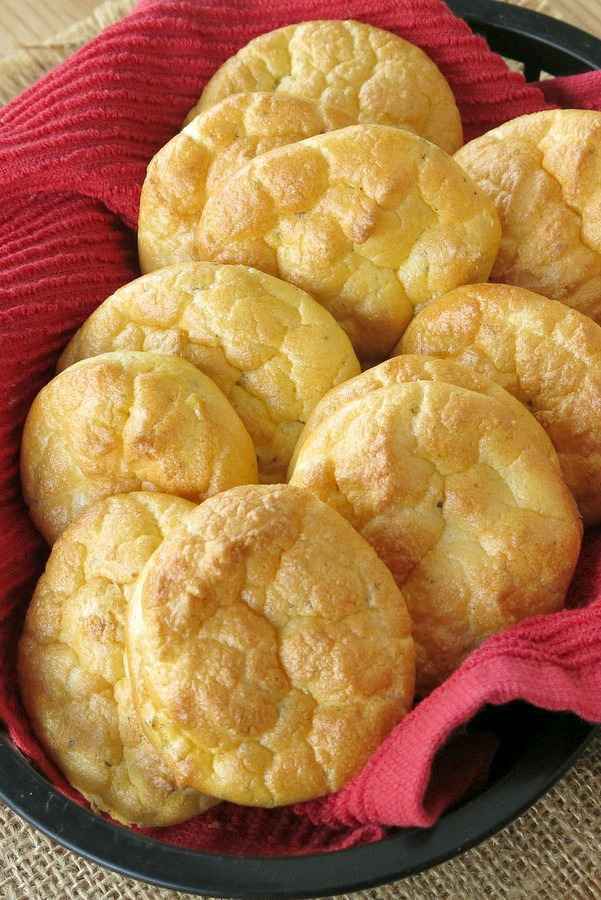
pixel 272 350
pixel 465 508
pixel 546 354
pixel 199 160
pixel 72 672
pixel 407 368
pixel 370 75
pixel 129 421
pixel 269 647
pixel 543 172
pixel 372 221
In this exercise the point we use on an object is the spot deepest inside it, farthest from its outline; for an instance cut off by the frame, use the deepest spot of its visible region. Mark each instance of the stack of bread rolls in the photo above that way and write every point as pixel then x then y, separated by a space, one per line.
pixel 345 426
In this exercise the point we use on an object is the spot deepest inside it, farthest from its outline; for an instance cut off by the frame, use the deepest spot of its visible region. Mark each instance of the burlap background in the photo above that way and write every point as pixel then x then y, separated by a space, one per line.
pixel 551 852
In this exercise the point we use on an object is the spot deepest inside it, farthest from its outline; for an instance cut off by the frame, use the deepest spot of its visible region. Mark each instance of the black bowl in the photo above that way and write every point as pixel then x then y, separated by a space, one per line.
pixel 543 44
pixel 535 747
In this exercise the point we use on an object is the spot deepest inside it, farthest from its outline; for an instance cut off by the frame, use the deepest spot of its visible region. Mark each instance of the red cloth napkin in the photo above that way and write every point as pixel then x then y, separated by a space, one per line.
pixel 73 151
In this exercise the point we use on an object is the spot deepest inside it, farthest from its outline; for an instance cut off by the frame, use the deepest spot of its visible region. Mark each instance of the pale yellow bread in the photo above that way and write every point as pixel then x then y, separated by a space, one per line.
pixel 270 648
pixel 464 506
pixel 199 160
pixel 546 354
pixel 543 172
pixel 372 221
pixel 368 74
pixel 129 421
pixel 72 673
pixel 272 350
pixel 407 368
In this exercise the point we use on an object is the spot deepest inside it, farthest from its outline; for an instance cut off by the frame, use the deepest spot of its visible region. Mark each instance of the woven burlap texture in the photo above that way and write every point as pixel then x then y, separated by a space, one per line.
pixel 551 853
pixel 22 68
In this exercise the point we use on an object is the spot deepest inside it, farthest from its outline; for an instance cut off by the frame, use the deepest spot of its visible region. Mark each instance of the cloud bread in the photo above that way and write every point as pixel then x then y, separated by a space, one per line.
pixel 269 647
pixel 545 354
pixel 371 220
pixel 369 74
pixel 128 421
pixel 402 369
pixel 269 346
pixel 543 172
pixel 463 505
pixel 71 662
pixel 199 160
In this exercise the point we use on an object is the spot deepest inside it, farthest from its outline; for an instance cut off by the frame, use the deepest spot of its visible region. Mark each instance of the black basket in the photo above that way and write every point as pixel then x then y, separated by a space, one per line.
pixel 541 43
pixel 536 747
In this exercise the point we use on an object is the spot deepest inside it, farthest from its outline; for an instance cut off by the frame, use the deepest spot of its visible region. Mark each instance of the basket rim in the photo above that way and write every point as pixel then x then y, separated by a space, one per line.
pixel 558 741
pixel 582 47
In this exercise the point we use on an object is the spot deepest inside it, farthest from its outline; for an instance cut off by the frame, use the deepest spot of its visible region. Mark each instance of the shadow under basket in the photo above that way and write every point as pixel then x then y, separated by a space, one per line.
pixel 535 747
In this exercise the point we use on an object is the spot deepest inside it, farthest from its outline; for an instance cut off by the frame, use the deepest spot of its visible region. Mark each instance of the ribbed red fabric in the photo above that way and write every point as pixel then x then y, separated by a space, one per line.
pixel 73 151
pixel 578 91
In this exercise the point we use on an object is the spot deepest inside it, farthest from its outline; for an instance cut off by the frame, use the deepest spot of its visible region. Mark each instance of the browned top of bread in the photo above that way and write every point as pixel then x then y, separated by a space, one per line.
pixel 543 172
pixel 72 673
pixel 371 220
pixel 199 160
pixel 368 74
pixel 269 646
pixel 463 505
pixel 272 350
pixel 413 367
pixel 129 421
pixel 546 354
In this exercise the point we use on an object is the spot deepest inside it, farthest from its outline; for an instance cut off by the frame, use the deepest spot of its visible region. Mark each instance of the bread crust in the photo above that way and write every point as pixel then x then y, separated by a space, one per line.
pixel 413 367
pixel 543 172
pixel 128 421
pixel 271 349
pixel 367 74
pixel 371 220
pixel 199 160
pixel 544 353
pixel 466 509
pixel 269 647
pixel 72 673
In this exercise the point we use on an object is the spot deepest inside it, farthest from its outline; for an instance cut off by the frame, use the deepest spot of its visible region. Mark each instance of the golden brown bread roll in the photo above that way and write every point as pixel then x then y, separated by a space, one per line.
pixel 546 354
pixel 272 350
pixel 269 647
pixel 543 172
pixel 464 506
pixel 368 74
pixel 199 160
pixel 372 221
pixel 72 673
pixel 128 421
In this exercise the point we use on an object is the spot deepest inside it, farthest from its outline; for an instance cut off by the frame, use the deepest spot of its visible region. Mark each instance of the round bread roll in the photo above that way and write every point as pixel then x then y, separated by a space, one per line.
pixel 372 221
pixel 545 354
pixel 543 172
pixel 129 421
pixel 462 504
pixel 199 160
pixel 366 73
pixel 403 369
pixel 269 647
pixel 71 667
pixel 272 350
